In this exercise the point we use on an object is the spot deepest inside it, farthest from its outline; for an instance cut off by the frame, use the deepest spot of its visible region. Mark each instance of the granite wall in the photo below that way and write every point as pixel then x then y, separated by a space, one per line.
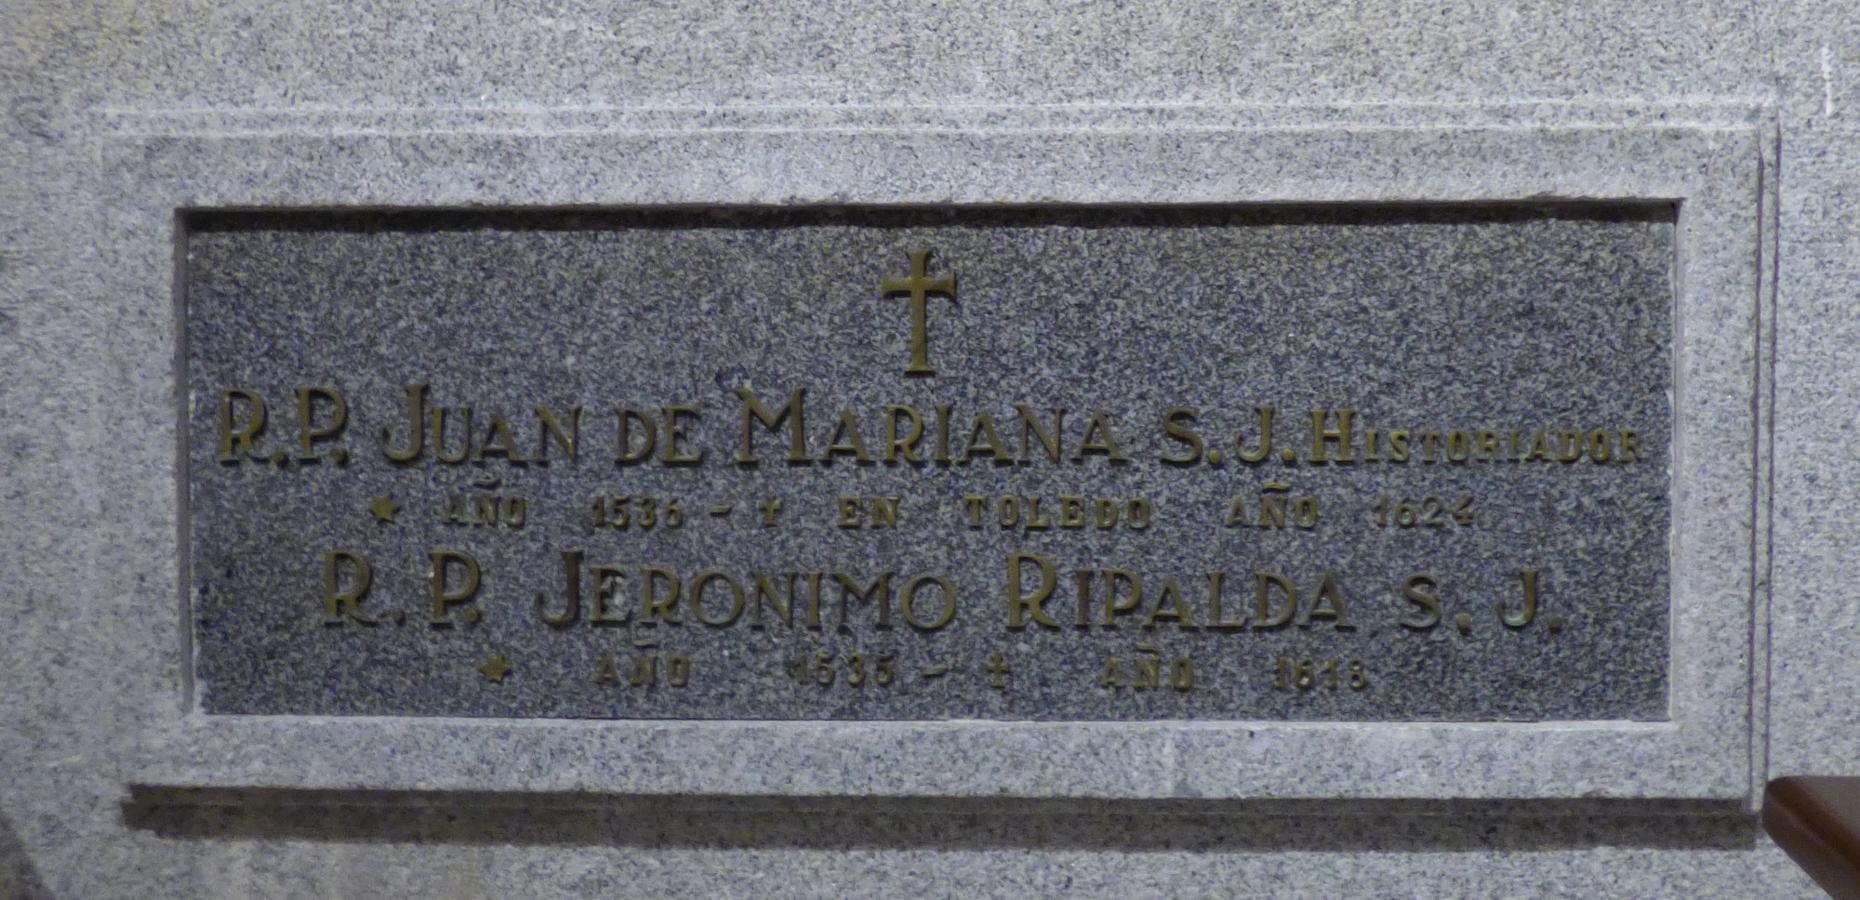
pixel 88 546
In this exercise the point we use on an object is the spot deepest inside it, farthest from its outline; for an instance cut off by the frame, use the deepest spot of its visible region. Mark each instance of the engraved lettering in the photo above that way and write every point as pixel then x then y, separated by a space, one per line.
pixel 237 433
pixel 1021 605
pixel 311 432
pixel 793 412
pixel 449 590
pixel 343 596
pixel 415 416
pixel 1418 590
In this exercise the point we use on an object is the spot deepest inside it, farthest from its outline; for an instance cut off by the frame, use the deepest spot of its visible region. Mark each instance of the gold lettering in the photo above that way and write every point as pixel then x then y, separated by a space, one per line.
pixel 1215 622
pixel 1322 436
pixel 1099 439
pixel 813 600
pixel 416 428
pixel 1182 674
pixel 1107 513
pixel 846 439
pixel 1540 448
pixel 1601 446
pixel 1630 445
pixel 1524 616
pixel 878 591
pixel 794 412
pixel 1113 605
pixel 553 431
pixel 1263 614
pixel 1169 606
pixel 902 447
pixel 1569 446
pixel 345 603
pixel 973 505
pixel 675 418
pixel 872 512
pixel 237 438
pixel 765 598
pixel 309 432
pixel 1053 442
pixel 1430 446
pixel 1176 422
pixel 1110 676
pixel 1037 520
pixel 439 436
pixel 1020 605
pixel 737 598
pixel 1488 444
pixel 440 563
pixel 1148 666
pixel 499 441
pixel 1272 505
pixel 651 603
pixel 571 607
pixel 885 511
pixel 909 601
pixel 1264 449
pixel 942 434
pixel 1236 513
pixel 1329 604
pixel 1418 590
pixel 983 436
pixel 1459 446
pixel 635 422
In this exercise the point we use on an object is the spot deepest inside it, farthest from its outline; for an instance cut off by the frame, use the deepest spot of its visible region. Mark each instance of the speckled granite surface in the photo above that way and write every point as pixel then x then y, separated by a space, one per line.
pixel 1507 370
pixel 451 102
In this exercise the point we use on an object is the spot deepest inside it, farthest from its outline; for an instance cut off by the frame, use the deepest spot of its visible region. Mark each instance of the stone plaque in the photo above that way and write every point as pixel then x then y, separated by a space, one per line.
pixel 1370 463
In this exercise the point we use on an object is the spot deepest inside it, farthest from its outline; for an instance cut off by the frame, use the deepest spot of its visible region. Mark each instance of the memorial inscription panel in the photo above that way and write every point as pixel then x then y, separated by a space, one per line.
pixel 1370 463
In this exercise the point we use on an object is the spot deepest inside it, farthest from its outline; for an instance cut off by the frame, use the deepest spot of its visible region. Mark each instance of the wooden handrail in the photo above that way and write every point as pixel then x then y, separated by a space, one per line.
pixel 1816 820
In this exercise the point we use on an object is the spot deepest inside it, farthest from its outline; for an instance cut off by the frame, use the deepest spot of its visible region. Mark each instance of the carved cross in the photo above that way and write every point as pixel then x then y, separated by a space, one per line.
pixel 919 286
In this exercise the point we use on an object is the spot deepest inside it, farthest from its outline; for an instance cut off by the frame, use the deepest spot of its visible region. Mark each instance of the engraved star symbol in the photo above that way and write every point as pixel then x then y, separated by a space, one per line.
pixel 383 508
pixel 496 667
